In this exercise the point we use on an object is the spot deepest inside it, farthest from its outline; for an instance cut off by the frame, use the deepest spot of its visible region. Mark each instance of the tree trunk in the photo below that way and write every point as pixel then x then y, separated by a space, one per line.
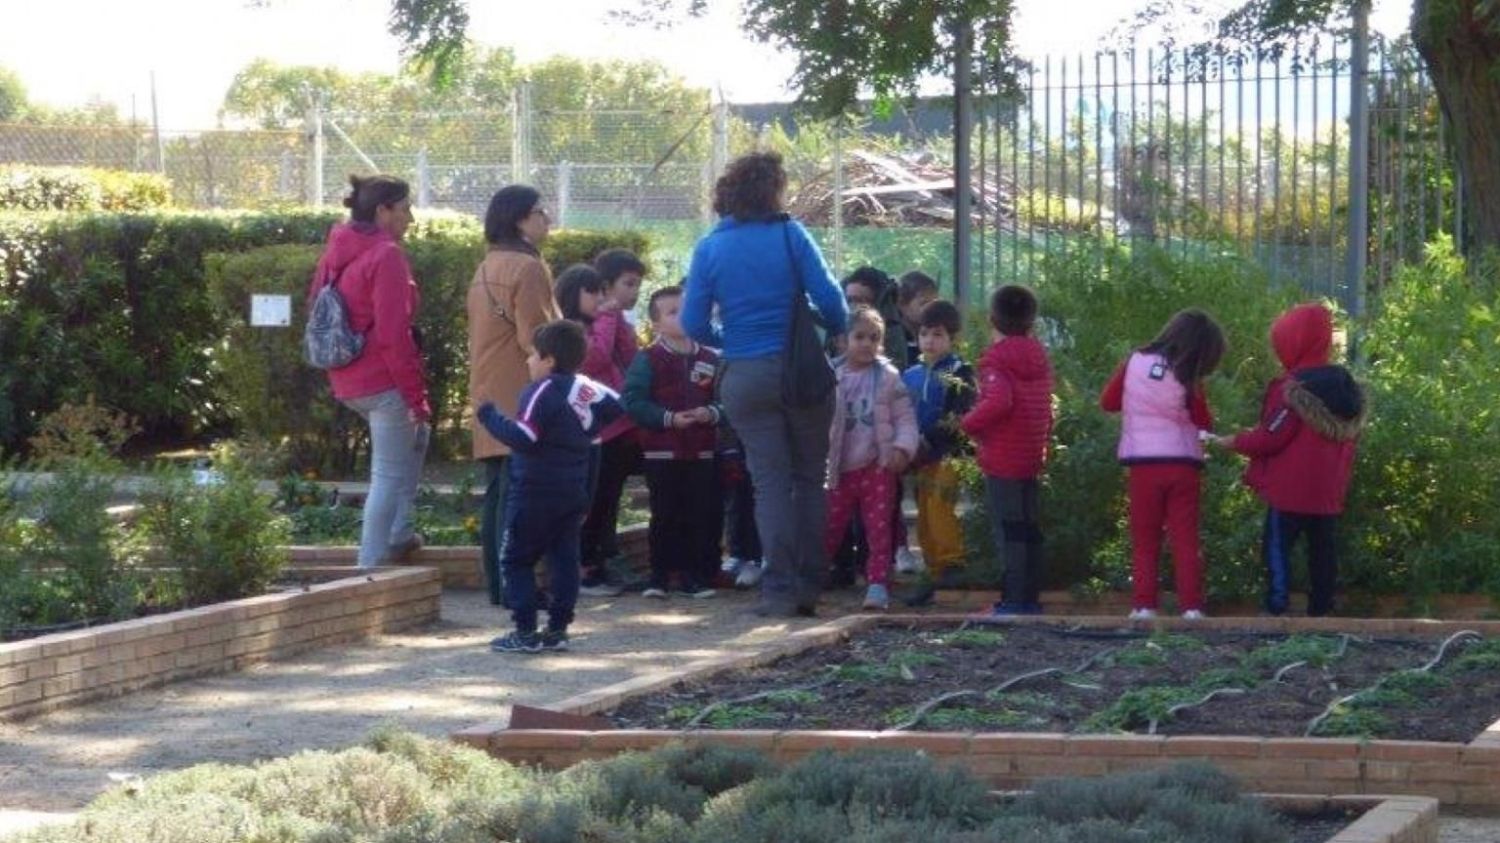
pixel 1463 57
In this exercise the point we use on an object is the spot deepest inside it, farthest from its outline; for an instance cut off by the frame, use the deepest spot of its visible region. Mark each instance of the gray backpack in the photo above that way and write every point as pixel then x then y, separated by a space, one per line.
pixel 328 342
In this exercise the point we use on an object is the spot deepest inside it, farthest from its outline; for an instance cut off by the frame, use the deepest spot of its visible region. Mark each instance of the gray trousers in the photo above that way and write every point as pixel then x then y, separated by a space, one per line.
pixel 397 448
pixel 787 453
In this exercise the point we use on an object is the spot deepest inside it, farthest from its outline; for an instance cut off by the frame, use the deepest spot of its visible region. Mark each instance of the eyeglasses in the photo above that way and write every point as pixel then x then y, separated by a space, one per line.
pixel 543 211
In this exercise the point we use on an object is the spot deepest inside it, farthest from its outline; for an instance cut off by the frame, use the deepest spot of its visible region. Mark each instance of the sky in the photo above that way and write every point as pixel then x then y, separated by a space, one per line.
pixel 68 52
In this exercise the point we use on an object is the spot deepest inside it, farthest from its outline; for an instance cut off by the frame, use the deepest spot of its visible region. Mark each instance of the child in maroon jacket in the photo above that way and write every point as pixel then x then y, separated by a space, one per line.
pixel 1010 425
pixel 1302 454
pixel 669 391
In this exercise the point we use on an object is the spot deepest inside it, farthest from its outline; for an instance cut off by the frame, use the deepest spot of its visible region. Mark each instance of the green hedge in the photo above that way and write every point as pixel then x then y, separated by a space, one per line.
pixel 25 188
pixel 119 306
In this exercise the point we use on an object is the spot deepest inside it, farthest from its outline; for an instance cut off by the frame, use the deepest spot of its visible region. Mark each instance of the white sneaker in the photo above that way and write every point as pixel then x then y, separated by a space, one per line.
pixel 655 593
pixel 731 565
pixel 907 561
pixel 1142 614
pixel 1192 615
pixel 750 574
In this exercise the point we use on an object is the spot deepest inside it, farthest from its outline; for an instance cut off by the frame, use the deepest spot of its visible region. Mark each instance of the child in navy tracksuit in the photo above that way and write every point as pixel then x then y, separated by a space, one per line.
pixel 552 440
pixel 669 391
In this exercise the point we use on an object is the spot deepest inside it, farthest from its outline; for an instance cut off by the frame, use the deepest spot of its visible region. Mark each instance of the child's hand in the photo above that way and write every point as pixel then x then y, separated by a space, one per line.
pixel 683 420
pixel 897 461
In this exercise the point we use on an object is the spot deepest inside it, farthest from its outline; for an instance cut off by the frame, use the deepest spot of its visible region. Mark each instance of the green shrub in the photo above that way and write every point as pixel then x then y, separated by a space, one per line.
pixel 119 307
pixel 223 537
pixel 114 306
pixel 27 188
pixel 566 247
pixel 406 789
pixel 1093 315
pixel 1422 516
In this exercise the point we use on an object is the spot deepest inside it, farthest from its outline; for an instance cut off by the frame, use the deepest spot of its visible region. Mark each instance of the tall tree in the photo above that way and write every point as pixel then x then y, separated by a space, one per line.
pixel 1459 41
pixel 12 96
pixel 844 48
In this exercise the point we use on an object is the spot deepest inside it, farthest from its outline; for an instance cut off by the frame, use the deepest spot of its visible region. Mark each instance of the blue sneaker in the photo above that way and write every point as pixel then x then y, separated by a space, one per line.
pixel 1031 608
pixel 517 642
pixel 1008 610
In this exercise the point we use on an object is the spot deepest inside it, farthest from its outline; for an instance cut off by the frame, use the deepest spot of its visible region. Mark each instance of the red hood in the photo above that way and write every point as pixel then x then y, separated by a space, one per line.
pixel 1303 337
pixel 348 240
pixel 1023 358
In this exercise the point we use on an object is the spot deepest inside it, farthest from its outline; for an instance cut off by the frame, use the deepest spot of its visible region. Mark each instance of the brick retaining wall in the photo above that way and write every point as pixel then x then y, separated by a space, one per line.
pixel 53 671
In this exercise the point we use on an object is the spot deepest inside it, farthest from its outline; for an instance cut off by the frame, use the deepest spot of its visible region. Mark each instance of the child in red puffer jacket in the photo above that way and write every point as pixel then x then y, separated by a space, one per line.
pixel 1302 454
pixel 1010 424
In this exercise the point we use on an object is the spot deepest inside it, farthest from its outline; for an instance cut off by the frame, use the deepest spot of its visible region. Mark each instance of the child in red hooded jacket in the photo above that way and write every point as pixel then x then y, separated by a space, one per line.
pixel 1302 454
pixel 1010 424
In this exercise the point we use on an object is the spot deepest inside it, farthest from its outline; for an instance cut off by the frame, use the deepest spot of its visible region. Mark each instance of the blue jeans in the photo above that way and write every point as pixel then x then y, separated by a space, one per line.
pixel 397 448
pixel 540 524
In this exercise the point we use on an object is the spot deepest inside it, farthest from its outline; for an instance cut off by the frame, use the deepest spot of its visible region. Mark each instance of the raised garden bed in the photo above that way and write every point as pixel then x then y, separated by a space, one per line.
pixel 53 671
pixel 1463 770
pixel 1054 679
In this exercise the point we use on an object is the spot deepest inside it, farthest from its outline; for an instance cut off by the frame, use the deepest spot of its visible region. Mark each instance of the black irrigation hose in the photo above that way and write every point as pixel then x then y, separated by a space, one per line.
pixel 927 708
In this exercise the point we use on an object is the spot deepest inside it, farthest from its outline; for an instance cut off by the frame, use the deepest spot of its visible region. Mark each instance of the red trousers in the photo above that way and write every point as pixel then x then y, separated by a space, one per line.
pixel 1166 495
pixel 870 493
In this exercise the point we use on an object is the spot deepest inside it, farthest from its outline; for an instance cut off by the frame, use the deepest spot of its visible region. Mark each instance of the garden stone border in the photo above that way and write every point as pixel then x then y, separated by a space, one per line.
pixel 1453 773
pixel 458 564
pixel 1386 819
pixel 54 671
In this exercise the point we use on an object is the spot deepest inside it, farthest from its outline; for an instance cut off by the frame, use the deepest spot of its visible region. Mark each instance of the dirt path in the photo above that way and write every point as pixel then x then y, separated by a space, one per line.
pixel 431 681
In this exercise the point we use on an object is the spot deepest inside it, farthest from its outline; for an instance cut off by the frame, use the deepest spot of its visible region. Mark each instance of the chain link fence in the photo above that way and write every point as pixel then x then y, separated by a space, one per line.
pixel 1194 155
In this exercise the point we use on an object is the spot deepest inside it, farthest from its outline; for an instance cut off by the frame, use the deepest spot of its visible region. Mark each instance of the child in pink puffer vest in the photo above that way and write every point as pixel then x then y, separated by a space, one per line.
pixel 873 439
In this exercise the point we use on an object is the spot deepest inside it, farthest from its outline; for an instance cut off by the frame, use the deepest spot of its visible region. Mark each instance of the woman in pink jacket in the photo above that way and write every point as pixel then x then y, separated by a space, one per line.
pixel 873 438
pixel 386 384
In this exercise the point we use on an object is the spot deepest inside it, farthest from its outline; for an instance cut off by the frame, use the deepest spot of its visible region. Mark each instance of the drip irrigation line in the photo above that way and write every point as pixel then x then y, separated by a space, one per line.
pixel 1464 634
pixel 760 695
pixel 928 707
pixel 1172 712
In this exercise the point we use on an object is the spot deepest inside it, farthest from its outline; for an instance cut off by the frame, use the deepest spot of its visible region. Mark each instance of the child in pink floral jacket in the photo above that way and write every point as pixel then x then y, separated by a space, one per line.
pixel 873 439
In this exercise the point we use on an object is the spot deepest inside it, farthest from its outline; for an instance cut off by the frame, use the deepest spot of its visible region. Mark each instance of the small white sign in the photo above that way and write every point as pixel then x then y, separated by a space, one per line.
pixel 270 311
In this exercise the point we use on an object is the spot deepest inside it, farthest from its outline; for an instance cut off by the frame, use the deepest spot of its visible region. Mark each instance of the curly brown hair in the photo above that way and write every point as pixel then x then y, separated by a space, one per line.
pixel 751 187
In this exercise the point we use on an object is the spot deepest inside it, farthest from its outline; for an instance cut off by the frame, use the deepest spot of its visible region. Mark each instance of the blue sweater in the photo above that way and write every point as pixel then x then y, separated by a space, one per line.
pixel 558 422
pixel 744 268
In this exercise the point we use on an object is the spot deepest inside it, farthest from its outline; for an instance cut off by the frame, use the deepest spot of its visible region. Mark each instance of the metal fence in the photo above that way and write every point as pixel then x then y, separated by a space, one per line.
pixel 1143 145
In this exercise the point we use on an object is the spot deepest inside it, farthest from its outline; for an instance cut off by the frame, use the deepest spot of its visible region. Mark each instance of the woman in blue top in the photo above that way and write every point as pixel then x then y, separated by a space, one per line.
pixel 745 267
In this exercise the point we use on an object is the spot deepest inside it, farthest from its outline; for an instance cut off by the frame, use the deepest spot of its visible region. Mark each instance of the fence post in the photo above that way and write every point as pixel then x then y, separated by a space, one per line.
pixel 564 191
pixel 1359 162
pixel 718 158
pixel 963 114
pixel 314 152
pixel 520 127
pixel 424 180
pixel 838 197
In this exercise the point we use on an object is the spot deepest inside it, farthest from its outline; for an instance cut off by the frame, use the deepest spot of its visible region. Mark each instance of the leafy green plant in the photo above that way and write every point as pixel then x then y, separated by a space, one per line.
pixel 972 639
pixel 1316 650
pixel 223 537
pixel 30 188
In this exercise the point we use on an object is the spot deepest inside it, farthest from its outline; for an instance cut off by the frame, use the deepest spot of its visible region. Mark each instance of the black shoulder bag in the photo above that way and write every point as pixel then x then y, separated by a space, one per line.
pixel 807 376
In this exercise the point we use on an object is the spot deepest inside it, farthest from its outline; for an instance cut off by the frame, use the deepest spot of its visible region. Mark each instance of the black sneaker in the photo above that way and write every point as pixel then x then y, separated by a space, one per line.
pixel 598 585
pixel 517 642
pixel 695 591
pixel 554 641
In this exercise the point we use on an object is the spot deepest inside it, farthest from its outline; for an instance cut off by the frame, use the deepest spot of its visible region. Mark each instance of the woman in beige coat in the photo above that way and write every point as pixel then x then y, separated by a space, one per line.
pixel 509 298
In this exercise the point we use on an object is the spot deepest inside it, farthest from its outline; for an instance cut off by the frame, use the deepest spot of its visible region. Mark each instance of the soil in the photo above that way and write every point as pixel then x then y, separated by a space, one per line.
pixel 877 679
pixel 1320 828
